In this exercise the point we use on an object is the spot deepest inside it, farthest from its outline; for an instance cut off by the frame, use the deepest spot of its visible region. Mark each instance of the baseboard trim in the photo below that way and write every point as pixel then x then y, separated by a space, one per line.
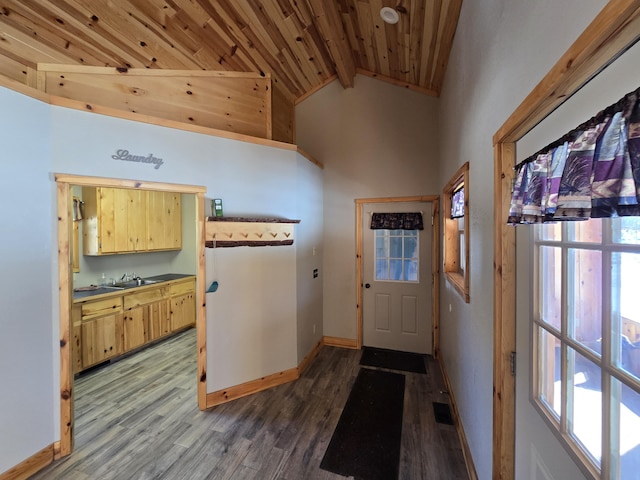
pixel 466 452
pixel 30 466
pixel 254 386
pixel 306 361
pixel 340 342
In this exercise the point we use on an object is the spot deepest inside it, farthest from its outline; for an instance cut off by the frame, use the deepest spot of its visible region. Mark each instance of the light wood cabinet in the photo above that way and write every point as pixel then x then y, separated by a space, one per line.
pixel 126 221
pixel 115 324
pixel 135 327
pixel 97 330
pixel 164 221
pixel 159 319
pixel 101 339
pixel 183 305
pixel 146 316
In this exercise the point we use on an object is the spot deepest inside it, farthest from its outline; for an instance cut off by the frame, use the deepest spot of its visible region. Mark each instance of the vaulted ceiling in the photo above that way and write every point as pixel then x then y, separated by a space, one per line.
pixel 301 43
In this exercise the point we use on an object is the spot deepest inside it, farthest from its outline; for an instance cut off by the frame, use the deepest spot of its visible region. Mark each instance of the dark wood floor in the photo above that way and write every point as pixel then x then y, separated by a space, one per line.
pixel 138 419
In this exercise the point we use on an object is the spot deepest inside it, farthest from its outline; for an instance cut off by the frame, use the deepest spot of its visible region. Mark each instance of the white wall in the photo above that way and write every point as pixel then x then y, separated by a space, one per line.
pixel 536 446
pixel 26 341
pixel 309 257
pixel 501 50
pixel 375 140
pixel 252 179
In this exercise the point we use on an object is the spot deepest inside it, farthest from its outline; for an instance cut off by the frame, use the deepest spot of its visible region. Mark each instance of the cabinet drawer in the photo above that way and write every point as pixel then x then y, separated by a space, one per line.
pixel 183 287
pixel 144 297
pixel 101 307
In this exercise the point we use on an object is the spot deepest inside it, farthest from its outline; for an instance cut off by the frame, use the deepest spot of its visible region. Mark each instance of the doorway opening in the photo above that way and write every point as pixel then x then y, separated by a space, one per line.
pixel 431 204
pixel 65 207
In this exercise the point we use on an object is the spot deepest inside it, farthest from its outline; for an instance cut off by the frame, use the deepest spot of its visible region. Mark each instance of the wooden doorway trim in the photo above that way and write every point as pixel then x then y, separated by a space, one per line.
pixel 65 282
pixel 610 34
pixel 435 262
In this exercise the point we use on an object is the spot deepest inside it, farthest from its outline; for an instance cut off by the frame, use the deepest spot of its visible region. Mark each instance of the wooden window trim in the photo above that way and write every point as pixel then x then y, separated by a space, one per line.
pixel 451 251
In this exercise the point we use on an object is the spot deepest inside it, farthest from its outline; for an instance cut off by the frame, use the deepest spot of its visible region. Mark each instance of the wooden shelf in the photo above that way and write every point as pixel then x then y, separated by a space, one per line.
pixel 248 232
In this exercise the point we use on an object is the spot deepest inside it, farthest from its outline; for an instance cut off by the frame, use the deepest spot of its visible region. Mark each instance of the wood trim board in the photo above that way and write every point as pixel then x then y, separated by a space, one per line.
pixel 466 451
pixel 254 386
pixel 612 32
pixel 31 465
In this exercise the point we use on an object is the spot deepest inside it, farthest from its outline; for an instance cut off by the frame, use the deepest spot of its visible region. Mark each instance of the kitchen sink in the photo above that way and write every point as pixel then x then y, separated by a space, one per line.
pixel 136 282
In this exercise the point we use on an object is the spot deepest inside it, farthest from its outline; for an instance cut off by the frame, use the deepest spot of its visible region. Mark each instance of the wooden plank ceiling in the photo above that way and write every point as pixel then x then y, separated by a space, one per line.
pixel 301 43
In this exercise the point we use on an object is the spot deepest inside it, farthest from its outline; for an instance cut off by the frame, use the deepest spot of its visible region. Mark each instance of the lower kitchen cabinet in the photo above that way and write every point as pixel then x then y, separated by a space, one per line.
pixel 159 319
pixel 101 339
pixel 183 311
pixel 135 327
pixel 183 305
pixel 107 327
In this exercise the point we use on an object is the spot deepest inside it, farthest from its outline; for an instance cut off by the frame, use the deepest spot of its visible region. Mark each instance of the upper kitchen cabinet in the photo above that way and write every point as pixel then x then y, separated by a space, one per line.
pixel 164 221
pixel 118 220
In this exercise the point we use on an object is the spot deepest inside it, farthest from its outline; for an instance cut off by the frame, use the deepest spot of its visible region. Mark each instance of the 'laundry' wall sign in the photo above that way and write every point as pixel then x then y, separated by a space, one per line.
pixel 127 157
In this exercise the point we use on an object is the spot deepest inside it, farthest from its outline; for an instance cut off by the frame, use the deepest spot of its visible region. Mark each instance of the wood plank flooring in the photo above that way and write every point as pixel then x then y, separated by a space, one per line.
pixel 138 419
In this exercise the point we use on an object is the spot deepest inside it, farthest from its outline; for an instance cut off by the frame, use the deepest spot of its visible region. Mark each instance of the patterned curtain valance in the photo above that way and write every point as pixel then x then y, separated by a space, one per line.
pixel 397 221
pixel 592 172
pixel 457 203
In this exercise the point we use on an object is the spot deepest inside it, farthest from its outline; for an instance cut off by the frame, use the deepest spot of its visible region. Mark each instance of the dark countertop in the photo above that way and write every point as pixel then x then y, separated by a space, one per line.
pixel 167 277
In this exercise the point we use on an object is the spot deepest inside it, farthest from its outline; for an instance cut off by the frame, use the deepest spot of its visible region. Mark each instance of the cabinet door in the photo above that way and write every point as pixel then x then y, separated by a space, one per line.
pixel 101 339
pixel 164 221
pixel 183 311
pixel 135 327
pixel 110 206
pixel 122 220
pixel 159 319
pixel 136 220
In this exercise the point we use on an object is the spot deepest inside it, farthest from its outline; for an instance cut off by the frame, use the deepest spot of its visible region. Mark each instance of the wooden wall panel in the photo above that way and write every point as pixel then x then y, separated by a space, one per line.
pixel 283 116
pixel 12 69
pixel 237 103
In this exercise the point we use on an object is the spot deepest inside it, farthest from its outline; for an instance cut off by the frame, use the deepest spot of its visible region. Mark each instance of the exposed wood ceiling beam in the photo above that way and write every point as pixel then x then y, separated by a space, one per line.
pixel 328 22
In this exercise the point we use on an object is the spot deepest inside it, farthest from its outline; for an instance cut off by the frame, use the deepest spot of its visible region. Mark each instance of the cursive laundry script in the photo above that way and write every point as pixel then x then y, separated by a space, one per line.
pixel 127 157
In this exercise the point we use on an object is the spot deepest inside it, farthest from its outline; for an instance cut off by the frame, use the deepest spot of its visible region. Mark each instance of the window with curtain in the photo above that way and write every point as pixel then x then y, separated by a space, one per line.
pixel 396 240
pixel 455 232
pixel 584 189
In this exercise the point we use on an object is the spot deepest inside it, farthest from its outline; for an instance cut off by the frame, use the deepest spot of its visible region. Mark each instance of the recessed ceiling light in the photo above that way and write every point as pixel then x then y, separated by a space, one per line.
pixel 389 15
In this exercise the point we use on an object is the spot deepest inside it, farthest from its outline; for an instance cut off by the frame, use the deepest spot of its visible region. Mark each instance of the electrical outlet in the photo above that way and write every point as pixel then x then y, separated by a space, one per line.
pixel 315 273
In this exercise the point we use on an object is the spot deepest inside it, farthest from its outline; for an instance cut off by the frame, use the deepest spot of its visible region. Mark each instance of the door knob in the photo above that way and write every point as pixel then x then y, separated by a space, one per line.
pixel 367 285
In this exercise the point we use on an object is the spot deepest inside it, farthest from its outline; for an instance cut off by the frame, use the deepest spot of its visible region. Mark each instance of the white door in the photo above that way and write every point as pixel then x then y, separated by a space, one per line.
pixel 397 282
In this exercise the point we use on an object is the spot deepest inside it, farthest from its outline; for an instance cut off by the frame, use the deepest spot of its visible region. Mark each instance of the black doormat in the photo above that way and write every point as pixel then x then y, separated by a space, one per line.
pixel 366 441
pixel 393 360
pixel 442 412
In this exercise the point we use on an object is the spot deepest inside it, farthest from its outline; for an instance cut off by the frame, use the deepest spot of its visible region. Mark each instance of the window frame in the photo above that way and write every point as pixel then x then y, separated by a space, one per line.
pixel 459 279
pixel 609 370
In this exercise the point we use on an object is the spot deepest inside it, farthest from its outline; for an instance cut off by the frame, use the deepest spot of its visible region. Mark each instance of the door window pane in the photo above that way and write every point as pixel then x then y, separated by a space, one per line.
pixel 549 381
pixel 626 230
pixel 629 424
pixel 550 285
pixel 396 255
pixel 586 231
pixel 584 302
pixel 585 404
pixel 550 231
